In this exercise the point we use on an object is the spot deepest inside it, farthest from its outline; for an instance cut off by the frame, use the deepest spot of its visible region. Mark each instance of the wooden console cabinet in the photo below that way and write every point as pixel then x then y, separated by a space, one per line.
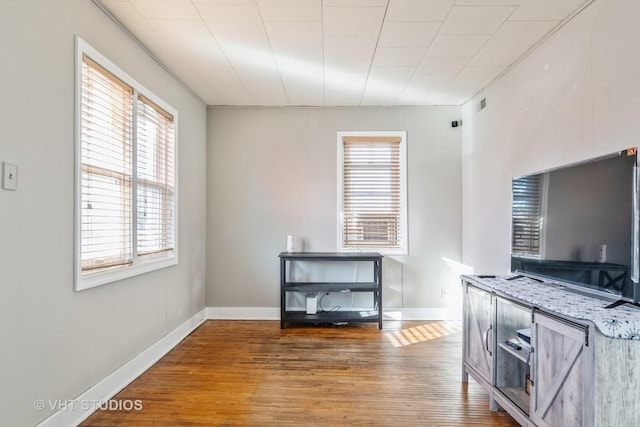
pixel 570 375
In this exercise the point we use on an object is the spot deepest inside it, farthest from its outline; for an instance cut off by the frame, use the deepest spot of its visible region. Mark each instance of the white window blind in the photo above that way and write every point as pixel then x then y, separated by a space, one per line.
pixel 126 190
pixel 155 178
pixel 527 211
pixel 107 169
pixel 372 198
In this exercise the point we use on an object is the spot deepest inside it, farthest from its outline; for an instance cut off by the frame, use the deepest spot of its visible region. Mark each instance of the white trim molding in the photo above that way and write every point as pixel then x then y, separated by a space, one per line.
pixel 74 411
pixel 243 313
pixel 273 313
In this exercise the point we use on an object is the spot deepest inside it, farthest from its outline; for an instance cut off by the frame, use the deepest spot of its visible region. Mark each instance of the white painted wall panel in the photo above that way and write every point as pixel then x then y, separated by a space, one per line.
pixel 56 343
pixel 572 98
pixel 273 172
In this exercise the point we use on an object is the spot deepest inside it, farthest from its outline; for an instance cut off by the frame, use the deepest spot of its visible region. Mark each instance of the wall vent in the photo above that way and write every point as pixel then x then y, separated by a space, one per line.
pixel 482 104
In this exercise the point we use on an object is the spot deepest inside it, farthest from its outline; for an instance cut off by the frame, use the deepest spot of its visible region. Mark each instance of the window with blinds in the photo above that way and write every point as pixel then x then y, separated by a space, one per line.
pixel 527 215
pixel 107 169
pixel 125 201
pixel 373 196
pixel 155 178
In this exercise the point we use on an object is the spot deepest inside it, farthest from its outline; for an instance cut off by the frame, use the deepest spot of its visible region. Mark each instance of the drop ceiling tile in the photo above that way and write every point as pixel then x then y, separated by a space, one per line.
pixel 476 78
pixel 454 95
pixel 224 19
pixel 427 90
pixel 360 3
pixel 398 56
pixel 307 73
pixel 320 52
pixel 290 10
pixel 166 9
pixel 349 47
pixel 296 39
pixel 346 78
pixel 545 10
pixel 475 20
pixel 489 2
pixel 263 87
pixel 305 98
pixel 418 10
pixel 188 38
pixel 234 2
pixel 498 55
pixel 379 100
pixel 168 56
pixel 304 90
pixel 413 97
pixel 441 65
pixel 429 82
pixel 520 33
pixel 249 51
pixel 386 84
pixel 220 88
pixel 405 34
pixel 449 45
pixel 352 21
pixel 342 98
pixel 390 76
pixel 345 70
pixel 210 76
pixel 128 15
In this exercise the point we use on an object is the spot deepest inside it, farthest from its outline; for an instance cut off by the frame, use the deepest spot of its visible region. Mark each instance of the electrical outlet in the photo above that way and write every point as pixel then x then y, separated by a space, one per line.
pixel 9 176
pixel 443 292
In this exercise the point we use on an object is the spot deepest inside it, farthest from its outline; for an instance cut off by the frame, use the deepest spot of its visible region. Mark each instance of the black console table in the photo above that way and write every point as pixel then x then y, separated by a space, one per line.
pixel 374 287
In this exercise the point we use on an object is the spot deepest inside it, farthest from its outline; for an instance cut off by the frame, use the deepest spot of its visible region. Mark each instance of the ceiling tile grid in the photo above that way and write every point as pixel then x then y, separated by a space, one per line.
pixel 339 52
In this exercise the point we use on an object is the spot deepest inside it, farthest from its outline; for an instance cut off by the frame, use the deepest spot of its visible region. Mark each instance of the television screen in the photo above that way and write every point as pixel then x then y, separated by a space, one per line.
pixel 577 225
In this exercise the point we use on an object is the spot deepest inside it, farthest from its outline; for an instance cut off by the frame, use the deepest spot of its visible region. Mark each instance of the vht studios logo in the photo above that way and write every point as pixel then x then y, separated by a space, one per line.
pixel 89 405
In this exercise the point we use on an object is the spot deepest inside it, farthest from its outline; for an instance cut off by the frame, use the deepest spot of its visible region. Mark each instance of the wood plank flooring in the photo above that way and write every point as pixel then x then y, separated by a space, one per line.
pixel 252 373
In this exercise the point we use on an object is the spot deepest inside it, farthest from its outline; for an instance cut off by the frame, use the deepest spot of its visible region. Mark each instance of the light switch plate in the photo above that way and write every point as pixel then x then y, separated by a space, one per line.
pixel 9 176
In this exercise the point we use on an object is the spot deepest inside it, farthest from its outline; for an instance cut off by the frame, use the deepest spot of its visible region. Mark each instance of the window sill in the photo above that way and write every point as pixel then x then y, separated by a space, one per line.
pixel 98 278
pixel 383 251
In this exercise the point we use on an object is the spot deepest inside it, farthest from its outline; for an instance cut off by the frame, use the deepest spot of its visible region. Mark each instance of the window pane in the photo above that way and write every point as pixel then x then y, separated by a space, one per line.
pixel 372 194
pixel 106 161
pixel 156 175
pixel 106 221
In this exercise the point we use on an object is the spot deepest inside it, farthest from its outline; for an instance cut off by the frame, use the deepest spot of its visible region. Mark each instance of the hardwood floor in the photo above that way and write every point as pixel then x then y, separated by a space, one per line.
pixel 252 373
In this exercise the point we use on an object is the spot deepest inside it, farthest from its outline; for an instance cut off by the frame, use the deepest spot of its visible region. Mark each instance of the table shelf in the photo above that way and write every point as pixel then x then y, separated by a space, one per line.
pixel 338 316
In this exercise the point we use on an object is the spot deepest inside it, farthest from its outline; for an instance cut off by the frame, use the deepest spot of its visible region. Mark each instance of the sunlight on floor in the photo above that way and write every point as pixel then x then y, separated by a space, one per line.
pixel 422 333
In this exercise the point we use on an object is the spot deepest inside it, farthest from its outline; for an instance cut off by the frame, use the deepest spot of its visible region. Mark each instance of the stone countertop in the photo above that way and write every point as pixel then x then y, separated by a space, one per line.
pixel 621 322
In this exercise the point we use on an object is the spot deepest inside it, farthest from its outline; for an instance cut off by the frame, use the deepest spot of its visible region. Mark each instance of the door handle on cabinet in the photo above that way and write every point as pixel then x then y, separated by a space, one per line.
pixel 486 339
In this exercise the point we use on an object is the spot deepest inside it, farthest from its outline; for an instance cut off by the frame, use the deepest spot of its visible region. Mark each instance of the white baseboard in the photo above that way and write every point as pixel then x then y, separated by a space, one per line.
pixel 273 313
pixel 243 313
pixel 422 314
pixel 79 409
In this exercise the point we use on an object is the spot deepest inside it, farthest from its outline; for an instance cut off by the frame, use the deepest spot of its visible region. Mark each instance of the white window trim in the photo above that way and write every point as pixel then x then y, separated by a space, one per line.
pixel 139 266
pixel 404 234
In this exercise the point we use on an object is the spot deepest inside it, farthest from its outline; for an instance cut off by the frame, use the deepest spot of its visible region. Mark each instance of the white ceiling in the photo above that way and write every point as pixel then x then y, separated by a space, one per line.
pixel 339 52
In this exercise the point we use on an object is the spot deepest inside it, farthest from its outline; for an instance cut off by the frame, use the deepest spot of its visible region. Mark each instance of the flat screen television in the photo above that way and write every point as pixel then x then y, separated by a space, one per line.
pixel 577 225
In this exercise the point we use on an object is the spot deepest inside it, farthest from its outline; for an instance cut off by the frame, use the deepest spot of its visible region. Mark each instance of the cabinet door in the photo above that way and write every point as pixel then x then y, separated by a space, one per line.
pixel 560 367
pixel 478 327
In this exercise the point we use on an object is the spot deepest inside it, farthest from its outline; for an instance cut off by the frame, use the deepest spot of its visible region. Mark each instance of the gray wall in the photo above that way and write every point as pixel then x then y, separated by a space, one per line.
pixel 57 343
pixel 573 98
pixel 273 172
